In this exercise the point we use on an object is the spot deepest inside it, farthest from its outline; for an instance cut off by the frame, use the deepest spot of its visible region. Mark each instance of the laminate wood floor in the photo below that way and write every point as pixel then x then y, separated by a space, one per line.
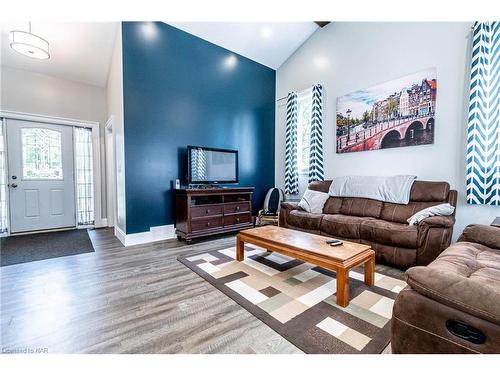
pixel 136 299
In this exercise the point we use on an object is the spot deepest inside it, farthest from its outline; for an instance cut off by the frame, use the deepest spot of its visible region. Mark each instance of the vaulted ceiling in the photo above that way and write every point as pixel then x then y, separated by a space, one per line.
pixel 82 51
pixel 267 43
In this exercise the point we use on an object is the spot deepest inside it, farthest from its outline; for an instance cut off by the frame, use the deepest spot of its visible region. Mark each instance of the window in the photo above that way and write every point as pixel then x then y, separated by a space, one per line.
pixel 42 154
pixel 84 176
pixel 304 104
pixel 3 185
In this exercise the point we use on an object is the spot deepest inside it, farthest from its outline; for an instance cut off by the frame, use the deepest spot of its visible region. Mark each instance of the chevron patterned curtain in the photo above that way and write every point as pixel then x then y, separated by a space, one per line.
pixel 316 172
pixel 291 172
pixel 483 130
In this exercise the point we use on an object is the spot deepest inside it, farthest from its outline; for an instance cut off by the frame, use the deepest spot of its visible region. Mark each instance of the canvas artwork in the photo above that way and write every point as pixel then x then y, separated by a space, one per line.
pixel 397 113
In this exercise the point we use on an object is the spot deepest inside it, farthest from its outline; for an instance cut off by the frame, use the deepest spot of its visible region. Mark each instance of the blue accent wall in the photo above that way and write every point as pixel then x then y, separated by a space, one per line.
pixel 180 90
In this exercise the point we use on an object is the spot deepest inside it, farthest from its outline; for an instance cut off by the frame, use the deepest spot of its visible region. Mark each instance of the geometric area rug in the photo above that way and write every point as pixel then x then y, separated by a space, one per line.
pixel 297 299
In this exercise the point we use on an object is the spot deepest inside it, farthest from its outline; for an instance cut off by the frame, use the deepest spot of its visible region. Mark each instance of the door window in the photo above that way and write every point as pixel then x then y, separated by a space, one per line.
pixel 41 154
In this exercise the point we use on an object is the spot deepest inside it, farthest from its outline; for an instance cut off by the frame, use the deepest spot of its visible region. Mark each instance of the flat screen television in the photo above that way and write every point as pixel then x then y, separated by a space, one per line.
pixel 208 165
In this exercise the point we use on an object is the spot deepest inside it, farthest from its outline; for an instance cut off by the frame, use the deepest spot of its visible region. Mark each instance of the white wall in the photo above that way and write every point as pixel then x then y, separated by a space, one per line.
pixel 115 108
pixel 345 57
pixel 34 93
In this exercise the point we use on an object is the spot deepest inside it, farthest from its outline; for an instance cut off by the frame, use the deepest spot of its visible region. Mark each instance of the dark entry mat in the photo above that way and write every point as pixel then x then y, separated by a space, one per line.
pixel 32 247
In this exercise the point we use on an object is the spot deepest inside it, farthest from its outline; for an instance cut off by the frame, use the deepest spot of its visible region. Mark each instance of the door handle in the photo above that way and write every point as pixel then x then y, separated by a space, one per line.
pixel 13 185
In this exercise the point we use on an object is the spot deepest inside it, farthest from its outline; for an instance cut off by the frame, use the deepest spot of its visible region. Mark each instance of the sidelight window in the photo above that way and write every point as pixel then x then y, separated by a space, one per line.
pixel 84 176
pixel 3 184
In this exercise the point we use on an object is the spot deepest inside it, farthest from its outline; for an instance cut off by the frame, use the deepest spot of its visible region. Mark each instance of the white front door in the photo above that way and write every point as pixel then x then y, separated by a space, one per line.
pixel 41 182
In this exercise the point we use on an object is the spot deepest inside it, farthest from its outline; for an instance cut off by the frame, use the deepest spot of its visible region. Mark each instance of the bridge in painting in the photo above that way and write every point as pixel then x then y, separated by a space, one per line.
pixel 381 134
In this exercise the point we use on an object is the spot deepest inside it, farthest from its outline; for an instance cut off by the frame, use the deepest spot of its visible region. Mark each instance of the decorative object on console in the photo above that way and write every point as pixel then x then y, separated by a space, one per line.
pixel 313 201
pixel 397 113
pixel 208 211
pixel 496 222
pixel 391 189
pixel 452 305
pixel 444 209
pixel 483 129
pixel 381 225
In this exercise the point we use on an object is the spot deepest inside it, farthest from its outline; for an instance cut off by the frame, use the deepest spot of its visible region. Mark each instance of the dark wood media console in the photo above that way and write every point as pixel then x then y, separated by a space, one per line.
pixel 204 212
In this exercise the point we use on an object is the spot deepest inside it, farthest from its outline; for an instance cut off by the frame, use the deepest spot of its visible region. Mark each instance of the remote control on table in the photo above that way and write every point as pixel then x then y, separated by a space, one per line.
pixel 334 242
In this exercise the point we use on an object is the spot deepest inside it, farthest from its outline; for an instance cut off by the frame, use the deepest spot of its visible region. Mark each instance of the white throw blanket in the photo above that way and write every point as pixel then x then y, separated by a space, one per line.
pixel 393 189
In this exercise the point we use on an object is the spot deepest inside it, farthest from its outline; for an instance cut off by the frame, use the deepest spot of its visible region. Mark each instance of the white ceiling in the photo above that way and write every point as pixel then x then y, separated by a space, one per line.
pixel 78 51
pixel 82 51
pixel 267 43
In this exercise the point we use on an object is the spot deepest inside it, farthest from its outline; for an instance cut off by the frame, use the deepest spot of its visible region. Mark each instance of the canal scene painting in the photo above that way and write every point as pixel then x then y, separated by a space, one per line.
pixel 397 113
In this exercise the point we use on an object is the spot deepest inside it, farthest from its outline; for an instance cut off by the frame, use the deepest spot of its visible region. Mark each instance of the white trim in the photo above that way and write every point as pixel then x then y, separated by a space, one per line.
pixel 96 148
pixel 109 147
pixel 159 233
pixel 3 124
pixel 48 119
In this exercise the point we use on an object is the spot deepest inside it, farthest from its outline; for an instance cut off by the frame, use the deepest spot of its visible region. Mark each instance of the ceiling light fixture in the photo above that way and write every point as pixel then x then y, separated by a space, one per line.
pixel 29 44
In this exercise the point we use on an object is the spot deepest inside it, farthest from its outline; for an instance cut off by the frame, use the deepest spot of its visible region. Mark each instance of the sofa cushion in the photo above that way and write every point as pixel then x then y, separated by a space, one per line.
pixel 400 213
pixel 385 232
pixel 341 226
pixel 305 220
pixel 465 276
pixel 400 257
pixel 332 205
pixel 429 191
pixel 361 207
pixel 486 235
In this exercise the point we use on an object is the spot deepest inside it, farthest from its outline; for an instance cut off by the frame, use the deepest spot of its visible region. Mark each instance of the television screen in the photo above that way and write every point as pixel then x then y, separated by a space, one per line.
pixel 212 166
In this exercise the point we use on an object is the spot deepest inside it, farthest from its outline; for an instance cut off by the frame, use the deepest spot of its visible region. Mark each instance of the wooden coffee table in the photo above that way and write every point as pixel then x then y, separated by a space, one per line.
pixel 312 248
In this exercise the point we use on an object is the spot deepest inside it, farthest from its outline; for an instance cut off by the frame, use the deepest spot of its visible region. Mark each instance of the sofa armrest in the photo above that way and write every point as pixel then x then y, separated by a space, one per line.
pixel 438 222
pixel 289 205
pixel 486 235
pixel 285 208
pixel 442 282
pixel 434 235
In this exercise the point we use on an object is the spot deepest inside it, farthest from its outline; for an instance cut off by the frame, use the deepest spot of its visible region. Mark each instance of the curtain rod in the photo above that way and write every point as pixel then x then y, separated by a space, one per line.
pixel 307 88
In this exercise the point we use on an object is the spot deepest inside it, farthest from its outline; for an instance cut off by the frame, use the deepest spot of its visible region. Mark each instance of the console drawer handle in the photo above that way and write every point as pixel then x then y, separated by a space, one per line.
pixel 238 219
pixel 237 208
pixel 208 223
pixel 207 211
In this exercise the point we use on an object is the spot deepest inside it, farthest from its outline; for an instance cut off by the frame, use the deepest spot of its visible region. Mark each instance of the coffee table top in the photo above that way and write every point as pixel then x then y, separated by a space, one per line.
pixel 306 242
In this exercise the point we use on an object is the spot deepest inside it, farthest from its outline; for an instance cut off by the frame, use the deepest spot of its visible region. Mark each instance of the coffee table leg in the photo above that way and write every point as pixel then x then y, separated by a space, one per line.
pixel 370 270
pixel 240 249
pixel 342 287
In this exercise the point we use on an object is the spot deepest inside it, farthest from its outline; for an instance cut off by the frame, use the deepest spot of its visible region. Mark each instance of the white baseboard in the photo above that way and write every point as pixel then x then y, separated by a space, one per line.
pixel 159 233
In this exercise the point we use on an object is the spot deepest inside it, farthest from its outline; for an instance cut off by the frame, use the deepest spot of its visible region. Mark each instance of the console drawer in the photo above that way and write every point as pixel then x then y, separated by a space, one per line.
pixel 212 210
pixel 233 208
pixel 207 223
pixel 237 219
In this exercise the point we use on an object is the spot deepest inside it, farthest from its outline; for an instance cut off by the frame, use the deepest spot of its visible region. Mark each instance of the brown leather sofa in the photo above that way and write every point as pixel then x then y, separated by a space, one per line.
pixel 453 304
pixel 382 225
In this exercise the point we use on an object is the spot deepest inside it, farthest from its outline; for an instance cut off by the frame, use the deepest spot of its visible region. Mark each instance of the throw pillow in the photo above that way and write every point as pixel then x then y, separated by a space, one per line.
pixel 444 209
pixel 313 201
